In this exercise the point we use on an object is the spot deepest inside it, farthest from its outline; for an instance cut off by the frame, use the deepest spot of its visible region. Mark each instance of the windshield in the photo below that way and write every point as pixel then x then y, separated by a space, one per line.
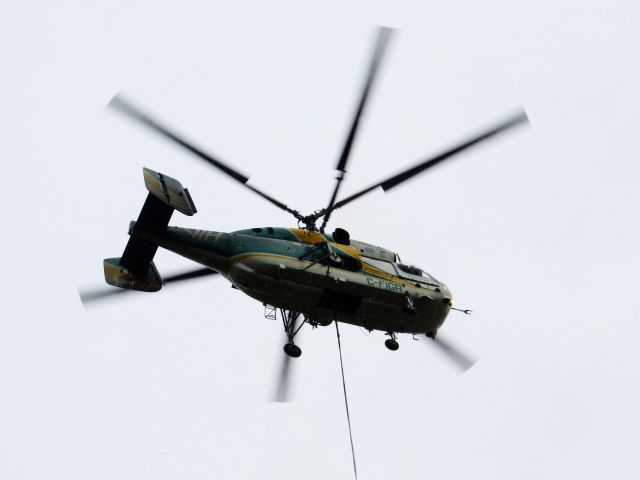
pixel 410 269
pixel 412 272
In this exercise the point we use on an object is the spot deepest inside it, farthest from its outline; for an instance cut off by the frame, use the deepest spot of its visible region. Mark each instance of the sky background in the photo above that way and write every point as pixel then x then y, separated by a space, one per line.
pixel 535 231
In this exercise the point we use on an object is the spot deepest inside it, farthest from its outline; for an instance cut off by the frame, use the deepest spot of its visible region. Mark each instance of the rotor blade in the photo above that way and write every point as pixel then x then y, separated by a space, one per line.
pixel 389 183
pixel 462 361
pixel 92 295
pixel 282 389
pixel 125 107
pixel 384 34
pixel 283 382
pixel 200 272
pixel 88 296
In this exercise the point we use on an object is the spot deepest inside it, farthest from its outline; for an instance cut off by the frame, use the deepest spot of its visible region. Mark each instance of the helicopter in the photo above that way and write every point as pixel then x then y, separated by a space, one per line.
pixel 303 272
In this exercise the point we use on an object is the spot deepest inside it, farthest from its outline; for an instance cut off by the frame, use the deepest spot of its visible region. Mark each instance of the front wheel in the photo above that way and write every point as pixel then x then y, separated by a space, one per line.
pixel 391 344
pixel 292 350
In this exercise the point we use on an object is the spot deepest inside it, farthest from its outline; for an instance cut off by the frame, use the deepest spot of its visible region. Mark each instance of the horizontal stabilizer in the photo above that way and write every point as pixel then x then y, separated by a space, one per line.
pixel 118 276
pixel 170 191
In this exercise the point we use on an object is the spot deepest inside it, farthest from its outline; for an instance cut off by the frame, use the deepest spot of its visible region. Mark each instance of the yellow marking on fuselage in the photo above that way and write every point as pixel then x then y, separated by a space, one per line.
pixel 387 276
pixel 314 238
pixel 349 250
pixel 308 236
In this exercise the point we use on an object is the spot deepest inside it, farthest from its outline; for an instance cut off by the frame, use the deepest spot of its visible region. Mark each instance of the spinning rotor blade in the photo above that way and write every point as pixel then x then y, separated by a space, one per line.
pixel 200 272
pixel 89 296
pixel 384 34
pixel 462 361
pixel 282 389
pixel 283 382
pixel 389 183
pixel 118 103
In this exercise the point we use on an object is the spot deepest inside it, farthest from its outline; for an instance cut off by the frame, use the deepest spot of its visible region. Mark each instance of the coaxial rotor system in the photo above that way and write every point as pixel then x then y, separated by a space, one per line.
pixel 322 215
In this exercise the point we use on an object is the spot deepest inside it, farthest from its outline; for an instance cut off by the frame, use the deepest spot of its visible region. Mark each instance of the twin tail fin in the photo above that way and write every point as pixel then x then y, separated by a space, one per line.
pixel 135 270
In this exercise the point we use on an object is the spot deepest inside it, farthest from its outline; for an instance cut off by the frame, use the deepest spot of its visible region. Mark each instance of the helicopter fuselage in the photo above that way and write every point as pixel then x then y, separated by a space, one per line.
pixel 307 272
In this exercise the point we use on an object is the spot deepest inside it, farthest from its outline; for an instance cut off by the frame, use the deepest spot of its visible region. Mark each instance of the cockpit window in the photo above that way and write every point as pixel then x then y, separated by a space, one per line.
pixel 413 273
pixel 410 269
pixel 386 267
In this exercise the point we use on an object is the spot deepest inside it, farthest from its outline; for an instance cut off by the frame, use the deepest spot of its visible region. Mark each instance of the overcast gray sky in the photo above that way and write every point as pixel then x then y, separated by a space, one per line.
pixel 536 232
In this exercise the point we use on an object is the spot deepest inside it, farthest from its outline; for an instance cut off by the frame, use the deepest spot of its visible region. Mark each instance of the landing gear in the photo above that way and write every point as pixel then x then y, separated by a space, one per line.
pixel 432 335
pixel 409 308
pixel 391 343
pixel 289 319
pixel 292 350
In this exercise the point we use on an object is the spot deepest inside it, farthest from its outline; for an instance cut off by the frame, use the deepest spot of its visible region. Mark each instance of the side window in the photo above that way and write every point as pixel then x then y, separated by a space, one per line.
pixel 380 265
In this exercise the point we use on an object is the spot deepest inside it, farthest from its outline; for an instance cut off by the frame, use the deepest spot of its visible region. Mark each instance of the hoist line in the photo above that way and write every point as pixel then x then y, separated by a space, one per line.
pixel 346 403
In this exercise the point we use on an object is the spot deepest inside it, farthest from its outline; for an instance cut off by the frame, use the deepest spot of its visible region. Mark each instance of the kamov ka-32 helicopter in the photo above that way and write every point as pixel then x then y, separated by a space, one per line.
pixel 297 272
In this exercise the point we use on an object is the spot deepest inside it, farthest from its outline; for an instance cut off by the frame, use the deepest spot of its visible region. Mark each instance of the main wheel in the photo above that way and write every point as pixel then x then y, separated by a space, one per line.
pixel 292 350
pixel 391 344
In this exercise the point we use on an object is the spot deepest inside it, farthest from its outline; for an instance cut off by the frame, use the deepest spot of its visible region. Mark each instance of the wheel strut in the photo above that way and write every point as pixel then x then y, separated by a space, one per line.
pixel 409 307
pixel 289 318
